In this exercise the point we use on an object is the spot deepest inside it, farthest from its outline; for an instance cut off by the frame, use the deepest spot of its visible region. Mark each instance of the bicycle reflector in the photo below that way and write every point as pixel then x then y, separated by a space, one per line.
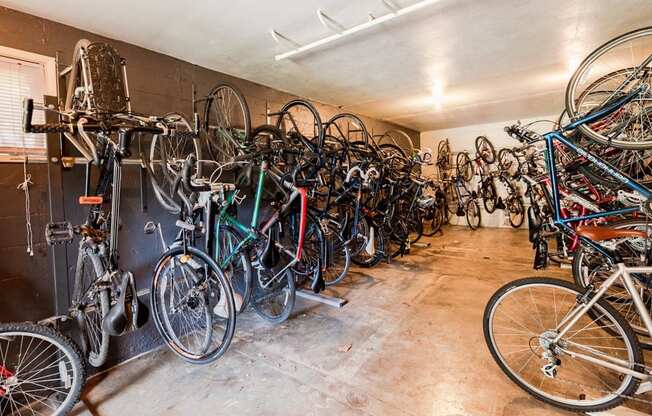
pixel 90 200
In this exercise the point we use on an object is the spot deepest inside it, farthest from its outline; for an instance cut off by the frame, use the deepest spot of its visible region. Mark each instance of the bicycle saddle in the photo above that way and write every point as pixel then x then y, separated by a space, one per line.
pixel 123 313
pixel 596 233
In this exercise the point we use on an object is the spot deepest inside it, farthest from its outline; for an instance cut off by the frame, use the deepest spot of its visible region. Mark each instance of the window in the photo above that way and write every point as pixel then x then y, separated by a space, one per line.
pixel 22 75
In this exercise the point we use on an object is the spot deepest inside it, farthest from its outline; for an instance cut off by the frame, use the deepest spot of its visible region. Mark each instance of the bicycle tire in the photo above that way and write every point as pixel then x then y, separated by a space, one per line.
pixel 240 280
pixel 488 157
pixel 464 166
pixel 317 139
pixel 96 355
pixel 171 339
pixel 579 74
pixel 514 205
pixel 66 348
pixel 489 196
pixel 472 207
pixel 288 306
pixel 506 167
pixel 510 287
pixel 219 151
pixel 379 246
pixel 336 248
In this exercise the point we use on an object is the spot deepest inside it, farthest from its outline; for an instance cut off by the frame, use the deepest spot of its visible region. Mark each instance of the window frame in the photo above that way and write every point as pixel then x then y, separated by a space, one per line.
pixel 49 64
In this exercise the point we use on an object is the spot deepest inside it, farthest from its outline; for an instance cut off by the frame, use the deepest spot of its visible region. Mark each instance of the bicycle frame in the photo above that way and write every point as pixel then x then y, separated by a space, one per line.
pixel 253 231
pixel 624 273
pixel 558 137
pixel 459 186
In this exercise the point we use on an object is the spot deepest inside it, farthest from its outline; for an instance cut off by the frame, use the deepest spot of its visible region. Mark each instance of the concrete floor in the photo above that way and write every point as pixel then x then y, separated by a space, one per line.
pixel 409 342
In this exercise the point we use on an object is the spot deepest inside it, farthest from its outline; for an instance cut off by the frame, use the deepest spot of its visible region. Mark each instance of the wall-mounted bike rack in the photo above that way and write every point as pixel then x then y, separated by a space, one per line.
pixel 341 32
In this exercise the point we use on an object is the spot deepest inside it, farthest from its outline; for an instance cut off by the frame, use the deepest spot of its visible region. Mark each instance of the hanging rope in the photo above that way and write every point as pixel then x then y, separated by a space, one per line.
pixel 24 186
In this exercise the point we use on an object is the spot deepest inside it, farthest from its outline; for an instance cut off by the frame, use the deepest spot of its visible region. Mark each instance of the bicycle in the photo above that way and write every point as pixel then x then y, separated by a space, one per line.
pixel 191 299
pixel 611 360
pixel 277 244
pixel 462 202
pixel 513 204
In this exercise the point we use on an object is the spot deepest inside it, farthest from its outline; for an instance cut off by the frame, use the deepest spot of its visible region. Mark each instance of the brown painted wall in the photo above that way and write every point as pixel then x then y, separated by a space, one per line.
pixel 158 84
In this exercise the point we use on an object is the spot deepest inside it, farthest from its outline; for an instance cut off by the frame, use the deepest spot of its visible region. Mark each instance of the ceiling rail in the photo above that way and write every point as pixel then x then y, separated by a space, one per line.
pixel 396 12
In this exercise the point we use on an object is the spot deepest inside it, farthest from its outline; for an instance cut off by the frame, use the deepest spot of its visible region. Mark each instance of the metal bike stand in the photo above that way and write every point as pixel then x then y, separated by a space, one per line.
pixel 317 297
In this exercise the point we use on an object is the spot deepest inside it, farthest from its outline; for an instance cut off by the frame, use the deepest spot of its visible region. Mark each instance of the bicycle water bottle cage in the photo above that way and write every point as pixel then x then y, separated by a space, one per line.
pixel 58 232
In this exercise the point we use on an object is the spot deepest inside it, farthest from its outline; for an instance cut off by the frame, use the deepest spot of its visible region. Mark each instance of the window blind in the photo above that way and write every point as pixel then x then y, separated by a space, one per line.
pixel 20 80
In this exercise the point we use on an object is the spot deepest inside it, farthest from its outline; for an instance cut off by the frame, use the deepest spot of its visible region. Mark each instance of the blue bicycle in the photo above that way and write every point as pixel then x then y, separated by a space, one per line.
pixel 567 345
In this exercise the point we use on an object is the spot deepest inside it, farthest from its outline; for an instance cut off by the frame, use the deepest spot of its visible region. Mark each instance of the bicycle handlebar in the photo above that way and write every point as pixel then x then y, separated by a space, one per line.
pixel 28 127
pixel 371 173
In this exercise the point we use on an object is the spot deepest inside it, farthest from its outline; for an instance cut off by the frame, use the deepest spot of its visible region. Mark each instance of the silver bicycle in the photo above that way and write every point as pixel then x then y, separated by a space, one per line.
pixel 567 345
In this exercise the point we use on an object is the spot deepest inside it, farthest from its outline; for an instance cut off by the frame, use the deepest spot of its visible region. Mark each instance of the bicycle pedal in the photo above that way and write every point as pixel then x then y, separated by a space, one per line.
pixel 58 232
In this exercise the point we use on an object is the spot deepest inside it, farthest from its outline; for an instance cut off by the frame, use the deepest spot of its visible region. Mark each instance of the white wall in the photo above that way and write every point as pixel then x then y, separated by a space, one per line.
pixel 463 139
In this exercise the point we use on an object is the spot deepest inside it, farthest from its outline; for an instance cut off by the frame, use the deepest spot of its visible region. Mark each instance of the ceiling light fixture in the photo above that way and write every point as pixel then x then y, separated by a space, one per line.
pixel 396 12
pixel 438 94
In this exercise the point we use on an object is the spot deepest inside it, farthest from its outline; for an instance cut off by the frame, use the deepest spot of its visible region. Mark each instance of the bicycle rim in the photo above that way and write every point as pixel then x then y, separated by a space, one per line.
pixel 520 323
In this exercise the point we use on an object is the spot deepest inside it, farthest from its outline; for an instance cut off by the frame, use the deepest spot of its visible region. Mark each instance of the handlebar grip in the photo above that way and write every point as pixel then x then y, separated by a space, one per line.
pixel 28 127
pixel 28 110
pixel 49 128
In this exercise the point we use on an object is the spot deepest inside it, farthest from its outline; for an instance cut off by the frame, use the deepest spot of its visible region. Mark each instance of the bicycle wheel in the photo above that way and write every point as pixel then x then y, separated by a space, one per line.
pixel 489 195
pixel 452 201
pixel 41 371
pixel 509 163
pixel 314 247
pixel 337 257
pixel 192 305
pixel 273 294
pixel 443 158
pixel 473 214
pixel 227 123
pixel 399 239
pixel 414 224
pixel 485 149
pixel 520 323
pixel 516 211
pixel 397 138
pixel 234 261
pixel 464 166
pixel 347 127
pixel 301 118
pixel 90 303
pixel 432 220
pixel 166 157
pixel 369 243
pixel 591 267
pixel 596 83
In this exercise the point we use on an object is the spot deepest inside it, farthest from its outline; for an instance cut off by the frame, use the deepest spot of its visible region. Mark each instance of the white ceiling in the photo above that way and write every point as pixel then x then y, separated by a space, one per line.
pixel 485 60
